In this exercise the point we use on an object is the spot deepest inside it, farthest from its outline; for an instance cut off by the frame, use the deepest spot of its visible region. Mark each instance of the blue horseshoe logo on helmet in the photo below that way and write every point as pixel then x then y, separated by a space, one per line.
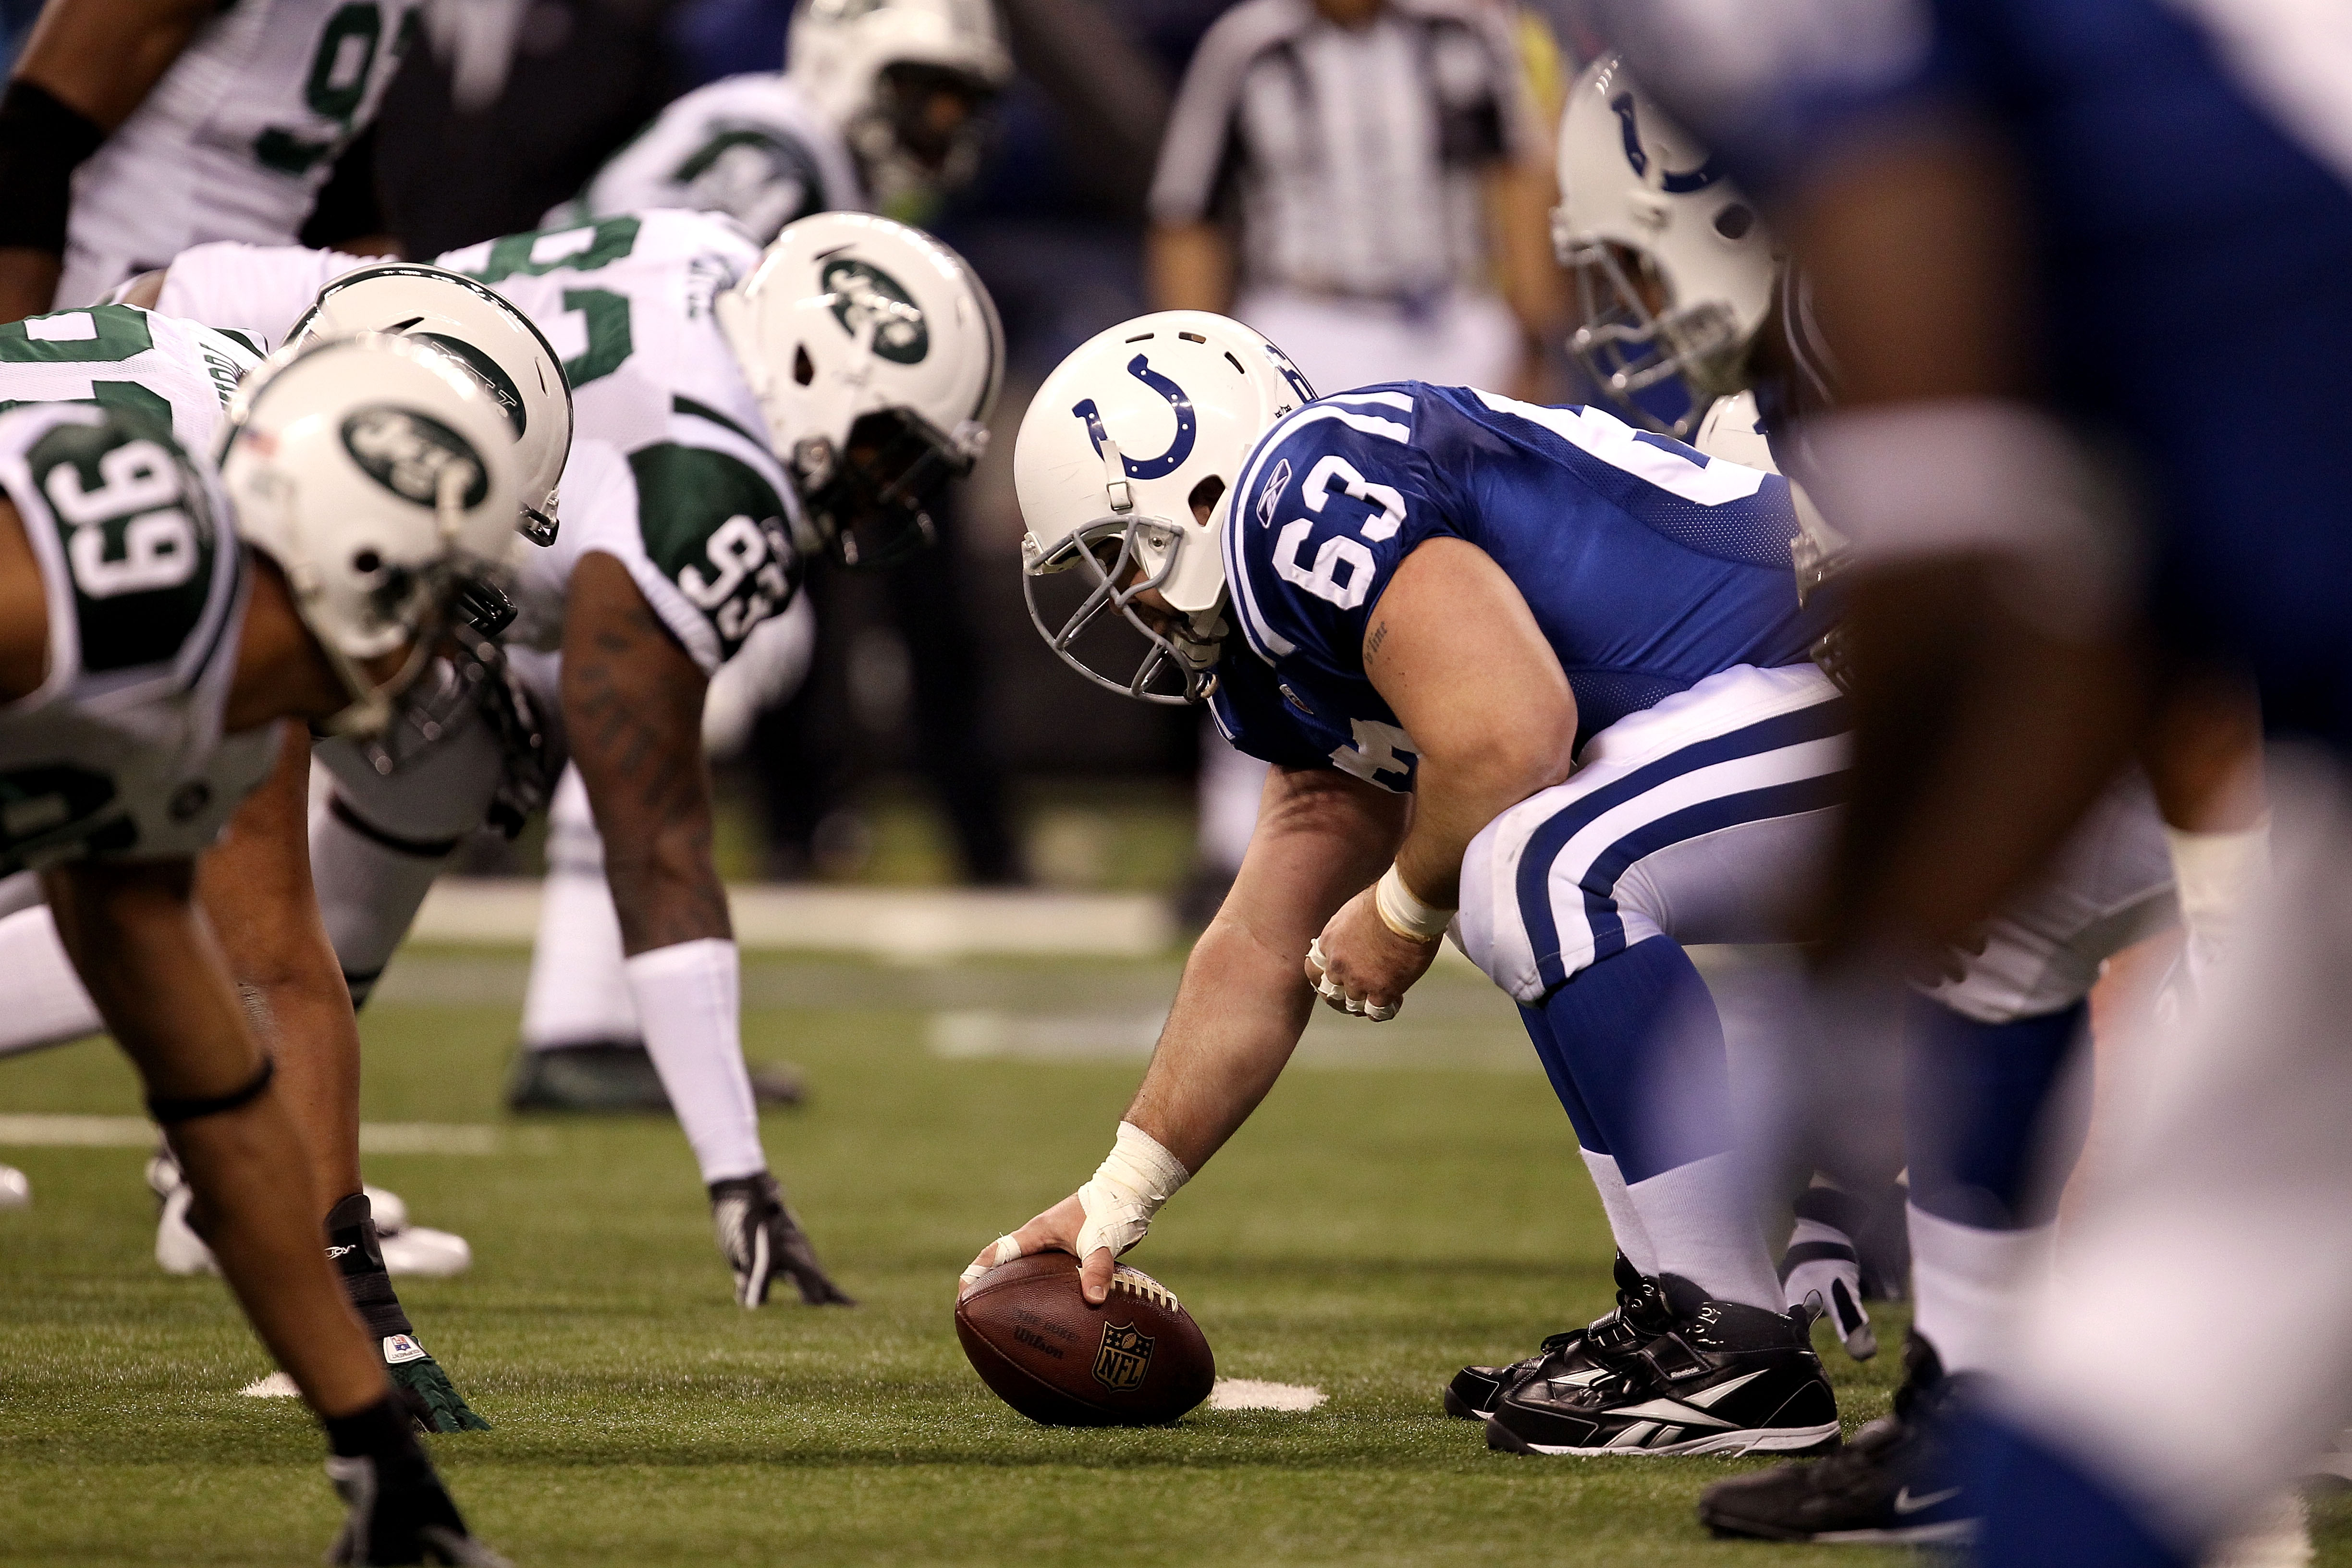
pixel 1697 179
pixel 1187 426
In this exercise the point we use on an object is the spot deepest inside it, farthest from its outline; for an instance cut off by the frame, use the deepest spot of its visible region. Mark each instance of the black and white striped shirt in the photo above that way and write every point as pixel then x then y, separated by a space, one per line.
pixel 1352 153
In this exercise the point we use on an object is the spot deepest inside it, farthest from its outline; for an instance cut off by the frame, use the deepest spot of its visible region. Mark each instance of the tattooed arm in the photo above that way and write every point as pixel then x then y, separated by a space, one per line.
pixel 632 704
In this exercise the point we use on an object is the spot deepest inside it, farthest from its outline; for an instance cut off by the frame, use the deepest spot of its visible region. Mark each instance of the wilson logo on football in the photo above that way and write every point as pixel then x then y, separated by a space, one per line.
pixel 1125 1357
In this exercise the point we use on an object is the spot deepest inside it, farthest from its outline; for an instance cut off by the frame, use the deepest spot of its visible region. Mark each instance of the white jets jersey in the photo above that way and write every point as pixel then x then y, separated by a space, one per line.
pixel 670 468
pixel 119 755
pixel 236 138
pixel 750 146
pixel 177 373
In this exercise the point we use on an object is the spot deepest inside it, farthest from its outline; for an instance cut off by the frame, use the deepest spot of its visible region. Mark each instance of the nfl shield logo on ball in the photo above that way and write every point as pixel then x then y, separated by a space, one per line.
pixel 1125 1357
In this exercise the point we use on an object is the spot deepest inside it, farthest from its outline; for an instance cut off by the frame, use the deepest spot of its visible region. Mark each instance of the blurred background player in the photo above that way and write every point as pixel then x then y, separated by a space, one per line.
pixel 130 132
pixel 136 728
pixel 1364 182
pixel 1420 605
pixel 2010 363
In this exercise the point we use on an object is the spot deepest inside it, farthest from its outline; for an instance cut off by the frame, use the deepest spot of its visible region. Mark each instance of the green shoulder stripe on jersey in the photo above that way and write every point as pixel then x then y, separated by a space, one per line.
pixel 126 398
pixel 597 246
pixel 103 334
pixel 139 538
pixel 681 404
pixel 242 341
pixel 716 529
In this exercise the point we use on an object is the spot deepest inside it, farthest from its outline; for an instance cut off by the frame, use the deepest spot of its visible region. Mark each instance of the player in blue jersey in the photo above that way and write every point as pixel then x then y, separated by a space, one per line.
pixel 1424 605
pixel 2021 220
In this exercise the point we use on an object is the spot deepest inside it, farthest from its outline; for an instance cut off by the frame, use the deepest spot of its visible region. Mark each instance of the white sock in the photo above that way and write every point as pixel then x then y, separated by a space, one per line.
pixel 579 991
pixel 690 995
pixel 1967 1284
pixel 1701 1220
pixel 46 1005
pixel 1625 1222
pixel 2214 874
pixel 369 892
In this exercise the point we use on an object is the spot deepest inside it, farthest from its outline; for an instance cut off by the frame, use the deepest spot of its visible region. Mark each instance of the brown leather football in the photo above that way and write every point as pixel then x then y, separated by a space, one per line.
pixel 1137 1360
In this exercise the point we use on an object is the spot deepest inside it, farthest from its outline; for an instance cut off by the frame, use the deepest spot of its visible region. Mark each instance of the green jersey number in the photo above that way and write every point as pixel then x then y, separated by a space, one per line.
pixel 546 251
pixel 610 341
pixel 108 334
pixel 337 84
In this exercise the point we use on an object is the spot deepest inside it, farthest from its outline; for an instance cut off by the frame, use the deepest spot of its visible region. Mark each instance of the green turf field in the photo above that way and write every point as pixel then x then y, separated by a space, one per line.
pixel 1385 1217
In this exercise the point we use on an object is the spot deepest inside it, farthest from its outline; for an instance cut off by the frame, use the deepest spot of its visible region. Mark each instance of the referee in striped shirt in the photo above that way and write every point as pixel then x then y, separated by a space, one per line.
pixel 1365 182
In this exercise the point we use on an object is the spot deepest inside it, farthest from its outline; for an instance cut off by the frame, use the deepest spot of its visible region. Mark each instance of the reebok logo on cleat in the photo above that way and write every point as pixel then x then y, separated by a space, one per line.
pixel 1905 1503
pixel 335 1252
pixel 400 1348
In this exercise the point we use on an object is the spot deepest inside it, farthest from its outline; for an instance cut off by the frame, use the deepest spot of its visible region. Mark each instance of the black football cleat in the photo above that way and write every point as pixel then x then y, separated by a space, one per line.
pixel 614 1078
pixel 1724 1378
pixel 1641 1315
pixel 761 1240
pixel 1894 1484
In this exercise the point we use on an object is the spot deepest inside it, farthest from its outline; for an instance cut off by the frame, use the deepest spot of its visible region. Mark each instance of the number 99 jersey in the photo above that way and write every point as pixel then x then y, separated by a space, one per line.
pixel 1648 566
pixel 120 754
pixel 236 139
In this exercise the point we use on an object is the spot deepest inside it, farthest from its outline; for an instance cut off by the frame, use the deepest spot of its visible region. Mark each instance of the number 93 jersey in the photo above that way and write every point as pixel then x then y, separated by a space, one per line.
pixel 236 139
pixel 120 754
pixel 1648 565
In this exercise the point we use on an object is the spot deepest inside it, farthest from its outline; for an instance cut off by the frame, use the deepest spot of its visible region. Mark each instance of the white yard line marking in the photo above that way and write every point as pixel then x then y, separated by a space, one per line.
pixel 1249 1393
pixel 276 1386
pixel 376 1137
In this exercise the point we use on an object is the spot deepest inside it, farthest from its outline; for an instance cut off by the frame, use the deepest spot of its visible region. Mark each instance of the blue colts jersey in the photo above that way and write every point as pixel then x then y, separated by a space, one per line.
pixel 1648 565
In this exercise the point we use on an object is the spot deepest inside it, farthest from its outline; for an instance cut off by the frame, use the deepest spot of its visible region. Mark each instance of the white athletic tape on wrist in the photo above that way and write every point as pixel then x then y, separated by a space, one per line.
pixel 1959 477
pixel 1405 912
pixel 1128 1189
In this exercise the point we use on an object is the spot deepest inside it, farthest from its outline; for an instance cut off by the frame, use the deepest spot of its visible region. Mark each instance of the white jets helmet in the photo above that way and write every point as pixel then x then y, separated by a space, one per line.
pixel 494 342
pixel 875 356
pixel 383 481
pixel 1126 444
pixel 1675 269
pixel 876 69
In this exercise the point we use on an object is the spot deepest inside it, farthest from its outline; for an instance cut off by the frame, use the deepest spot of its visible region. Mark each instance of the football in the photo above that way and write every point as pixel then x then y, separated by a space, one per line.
pixel 1137 1360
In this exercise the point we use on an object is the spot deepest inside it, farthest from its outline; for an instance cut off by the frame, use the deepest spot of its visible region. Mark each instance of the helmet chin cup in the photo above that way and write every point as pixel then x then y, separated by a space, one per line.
pixel 1173 668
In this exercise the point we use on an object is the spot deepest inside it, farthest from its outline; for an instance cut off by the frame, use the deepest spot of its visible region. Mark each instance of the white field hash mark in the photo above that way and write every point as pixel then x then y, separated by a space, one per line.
pixel 1249 1393
pixel 276 1386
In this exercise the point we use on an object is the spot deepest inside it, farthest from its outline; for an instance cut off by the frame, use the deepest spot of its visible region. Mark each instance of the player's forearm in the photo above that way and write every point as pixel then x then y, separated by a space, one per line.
pixel 1190 267
pixel 1320 837
pixel 1454 797
pixel 1518 202
pixel 103 57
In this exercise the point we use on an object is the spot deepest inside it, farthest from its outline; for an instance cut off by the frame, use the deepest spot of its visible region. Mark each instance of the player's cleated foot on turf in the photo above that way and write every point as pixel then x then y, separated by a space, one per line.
pixel 407 1250
pixel 1821 1271
pixel 397 1511
pixel 1894 1483
pixel 15 1189
pixel 1725 1378
pixel 1641 1314
pixel 617 1077
pixel 761 1240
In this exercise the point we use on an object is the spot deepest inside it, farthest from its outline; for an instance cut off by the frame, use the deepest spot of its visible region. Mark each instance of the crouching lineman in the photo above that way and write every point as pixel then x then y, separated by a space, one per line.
pixel 737 412
pixel 255 886
pixel 1420 603
pixel 147 661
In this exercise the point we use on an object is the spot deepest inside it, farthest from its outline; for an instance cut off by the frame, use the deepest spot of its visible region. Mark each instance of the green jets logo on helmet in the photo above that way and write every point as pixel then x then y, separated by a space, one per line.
pixel 862 292
pixel 407 453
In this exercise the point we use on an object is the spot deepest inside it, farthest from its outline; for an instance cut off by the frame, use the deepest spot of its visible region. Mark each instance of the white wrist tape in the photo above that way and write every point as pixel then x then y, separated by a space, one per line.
pixel 1403 911
pixel 1973 476
pixel 1128 1189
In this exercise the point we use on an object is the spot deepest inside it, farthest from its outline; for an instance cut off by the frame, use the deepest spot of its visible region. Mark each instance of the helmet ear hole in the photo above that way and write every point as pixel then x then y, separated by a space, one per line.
pixel 366 563
pixel 1733 221
pixel 1203 499
pixel 804 368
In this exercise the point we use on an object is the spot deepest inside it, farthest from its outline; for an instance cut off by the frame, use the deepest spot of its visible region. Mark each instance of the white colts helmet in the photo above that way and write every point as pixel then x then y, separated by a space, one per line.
pixel 871 67
pixel 493 341
pixel 875 356
pixel 383 481
pixel 1128 440
pixel 1675 269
